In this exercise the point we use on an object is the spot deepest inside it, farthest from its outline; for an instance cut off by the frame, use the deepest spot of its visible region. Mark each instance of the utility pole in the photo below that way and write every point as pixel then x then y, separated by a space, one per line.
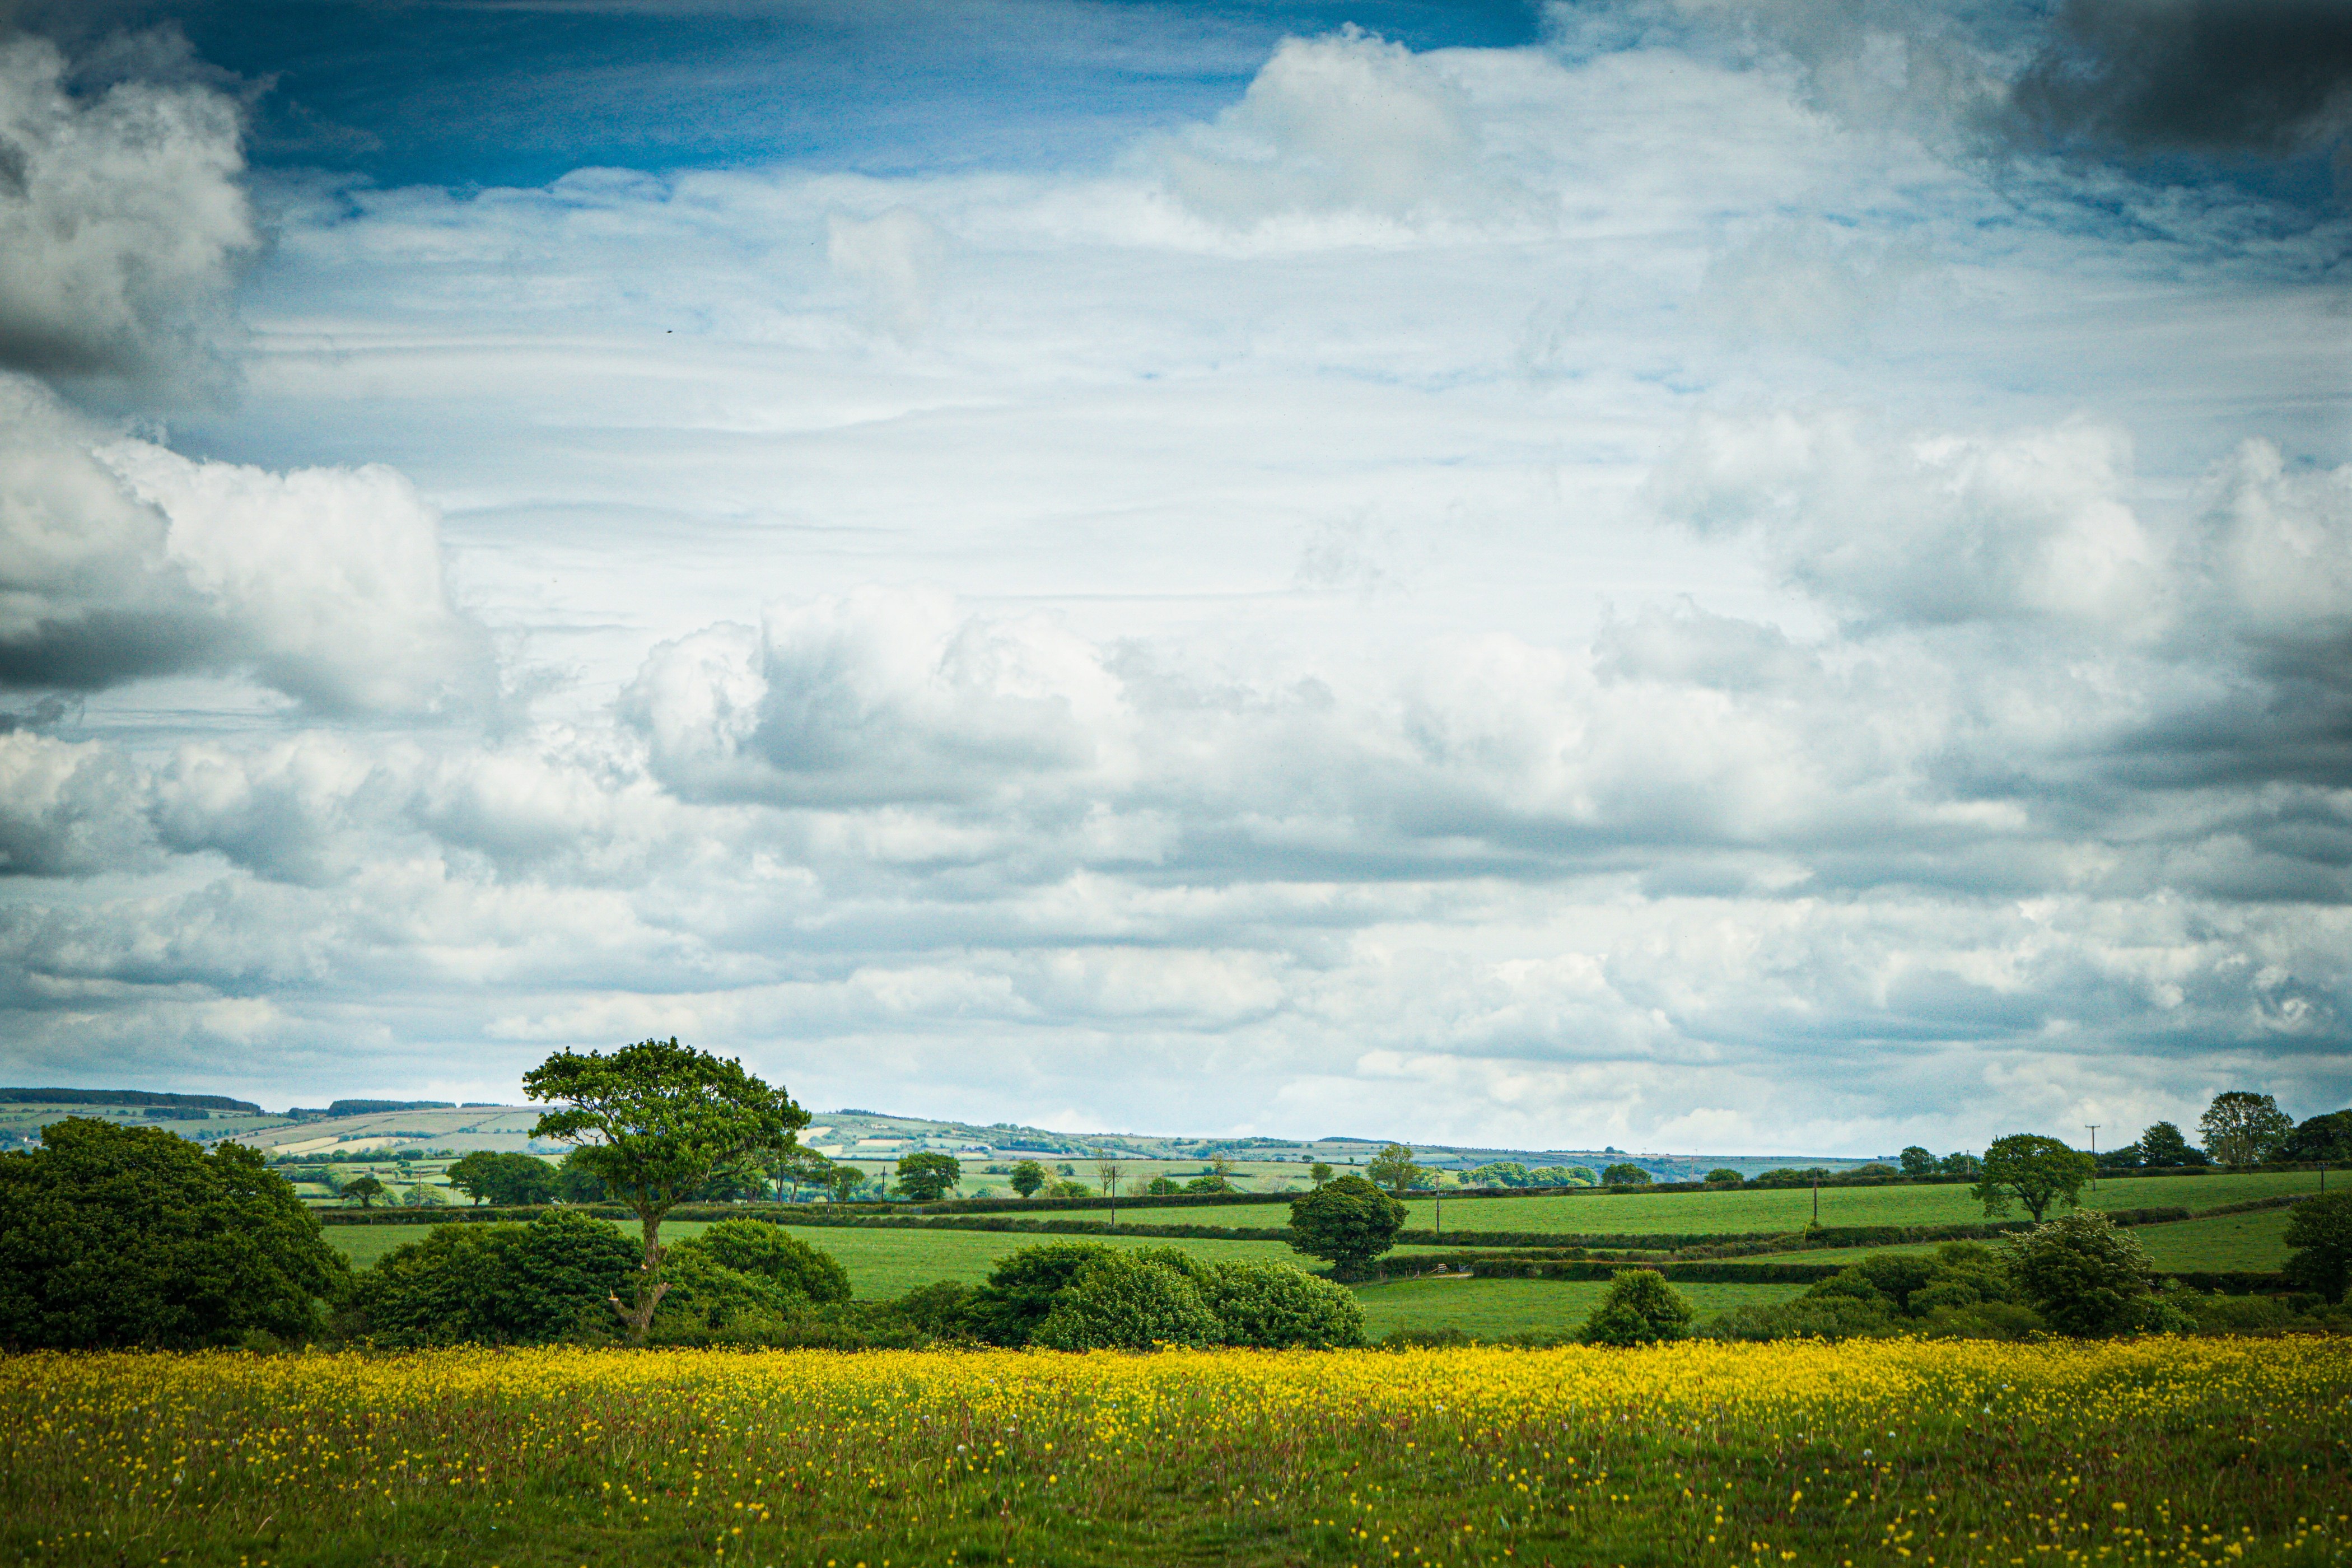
pixel 1817 1198
pixel 2094 1127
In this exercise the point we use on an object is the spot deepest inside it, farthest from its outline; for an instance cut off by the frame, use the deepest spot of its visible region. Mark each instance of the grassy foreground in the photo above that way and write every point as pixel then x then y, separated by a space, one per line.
pixel 2149 1451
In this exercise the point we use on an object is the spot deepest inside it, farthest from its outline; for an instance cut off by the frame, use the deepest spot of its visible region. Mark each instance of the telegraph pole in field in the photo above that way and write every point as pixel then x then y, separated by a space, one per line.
pixel 2093 1126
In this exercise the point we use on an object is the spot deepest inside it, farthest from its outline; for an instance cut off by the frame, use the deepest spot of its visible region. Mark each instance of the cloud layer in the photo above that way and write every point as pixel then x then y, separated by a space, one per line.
pixel 1635 591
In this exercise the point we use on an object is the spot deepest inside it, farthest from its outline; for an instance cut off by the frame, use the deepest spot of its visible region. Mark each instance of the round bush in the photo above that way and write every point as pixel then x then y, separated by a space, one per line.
pixel 2085 1276
pixel 1275 1307
pixel 1123 1302
pixel 772 1252
pixel 1640 1309
pixel 496 1284
pixel 704 1293
pixel 1023 1288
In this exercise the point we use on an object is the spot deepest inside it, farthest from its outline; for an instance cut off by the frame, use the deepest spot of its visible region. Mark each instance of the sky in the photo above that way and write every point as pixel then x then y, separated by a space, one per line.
pixel 1699 575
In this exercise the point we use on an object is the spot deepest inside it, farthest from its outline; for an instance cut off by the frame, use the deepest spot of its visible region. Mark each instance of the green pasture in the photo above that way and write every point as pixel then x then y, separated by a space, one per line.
pixel 1494 1308
pixel 1769 1211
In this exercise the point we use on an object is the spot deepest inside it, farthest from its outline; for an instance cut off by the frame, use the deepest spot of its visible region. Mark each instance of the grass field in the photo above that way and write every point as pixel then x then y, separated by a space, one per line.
pixel 1494 1309
pixel 1766 1212
pixel 2172 1451
pixel 2253 1242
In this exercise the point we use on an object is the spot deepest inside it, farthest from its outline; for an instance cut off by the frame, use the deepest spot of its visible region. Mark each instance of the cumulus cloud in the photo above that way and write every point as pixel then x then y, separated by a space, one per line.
pixel 123 222
pixel 894 258
pixel 121 560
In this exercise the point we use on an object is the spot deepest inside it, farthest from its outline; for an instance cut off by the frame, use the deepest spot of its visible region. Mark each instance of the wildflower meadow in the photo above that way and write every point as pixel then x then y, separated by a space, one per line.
pixel 2147 1450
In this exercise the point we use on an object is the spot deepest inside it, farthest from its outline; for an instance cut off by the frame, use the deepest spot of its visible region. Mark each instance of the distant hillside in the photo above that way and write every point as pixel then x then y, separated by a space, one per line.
pixel 125 1097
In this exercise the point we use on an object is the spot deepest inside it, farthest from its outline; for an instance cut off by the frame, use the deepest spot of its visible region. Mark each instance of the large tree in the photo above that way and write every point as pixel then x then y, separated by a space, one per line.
pixel 2029 1169
pixel 132 1236
pixel 653 1121
pixel 1347 1223
pixel 506 1180
pixel 1027 1177
pixel 2327 1137
pixel 2242 1128
pixel 2164 1146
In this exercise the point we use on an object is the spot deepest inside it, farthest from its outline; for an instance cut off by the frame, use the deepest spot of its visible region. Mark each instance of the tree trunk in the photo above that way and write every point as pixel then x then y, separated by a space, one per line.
pixel 639 1316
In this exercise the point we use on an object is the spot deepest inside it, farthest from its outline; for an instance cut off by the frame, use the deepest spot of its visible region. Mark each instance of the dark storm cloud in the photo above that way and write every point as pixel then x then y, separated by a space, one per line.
pixel 2201 76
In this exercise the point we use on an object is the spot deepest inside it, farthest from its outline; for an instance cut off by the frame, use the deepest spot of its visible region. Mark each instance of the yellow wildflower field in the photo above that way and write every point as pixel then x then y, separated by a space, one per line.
pixel 2156 1450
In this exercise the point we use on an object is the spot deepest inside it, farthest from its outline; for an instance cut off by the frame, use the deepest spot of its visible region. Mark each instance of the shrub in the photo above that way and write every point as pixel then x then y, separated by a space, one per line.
pixel 1808 1317
pixel 945 1310
pixel 704 1293
pixel 772 1252
pixel 1121 1301
pixel 1276 1307
pixel 1347 1223
pixel 1726 1177
pixel 1641 1307
pixel 132 1235
pixel 2085 1276
pixel 1980 1320
pixel 1021 1289
pixel 2320 1230
pixel 550 1279
pixel 1625 1175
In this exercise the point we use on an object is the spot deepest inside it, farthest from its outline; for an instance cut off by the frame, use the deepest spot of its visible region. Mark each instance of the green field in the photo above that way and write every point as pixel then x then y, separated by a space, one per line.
pixel 1493 1308
pixel 1774 1211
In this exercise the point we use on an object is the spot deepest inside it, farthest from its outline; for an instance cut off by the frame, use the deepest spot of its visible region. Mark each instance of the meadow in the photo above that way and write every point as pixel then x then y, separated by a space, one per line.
pixel 2170 1451
pixel 1765 1211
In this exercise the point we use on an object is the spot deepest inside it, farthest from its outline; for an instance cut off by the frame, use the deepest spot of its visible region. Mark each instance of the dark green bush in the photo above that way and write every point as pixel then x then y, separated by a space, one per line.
pixel 1641 1307
pixel 773 1253
pixel 1124 1302
pixel 496 1284
pixel 1022 1287
pixel 130 1235
pixel 1832 1317
pixel 2085 1276
pixel 1273 1306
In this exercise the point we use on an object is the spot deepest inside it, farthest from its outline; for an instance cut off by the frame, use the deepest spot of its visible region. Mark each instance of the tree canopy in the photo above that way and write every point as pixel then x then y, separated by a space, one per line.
pixel 116 1236
pixel 1028 1176
pixel 2242 1128
pixel 505 1180
pixel 1347 1223
pixel 653 1121
pixel 1393 1168
pixel 1625 1175
pixel 927 1175
pixel 2084 1275
pixel 2320 1230
pixel 2027 1168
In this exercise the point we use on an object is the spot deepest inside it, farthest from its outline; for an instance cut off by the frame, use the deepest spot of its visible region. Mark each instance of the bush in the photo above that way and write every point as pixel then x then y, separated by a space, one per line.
pixel 704 1293
pixel 132 1235
pixel 1808 1317
pixel 1121 1301
pixel 2216 1314
pixel 496 1284
pixel 1640 1309
pixel 1727 1177
pixel 1625 1175
pixel 773 1253
pixel 1981 1320
pixel 946 1310
pixel 1022 1287
pixel 2086 1278
pixel 2320 1228
pixel 1276 1307
pixel 1347 1223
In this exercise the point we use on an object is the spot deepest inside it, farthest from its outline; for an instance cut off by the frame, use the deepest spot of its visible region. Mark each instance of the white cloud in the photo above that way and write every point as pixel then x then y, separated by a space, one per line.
pixel 894 258
pixel 122 221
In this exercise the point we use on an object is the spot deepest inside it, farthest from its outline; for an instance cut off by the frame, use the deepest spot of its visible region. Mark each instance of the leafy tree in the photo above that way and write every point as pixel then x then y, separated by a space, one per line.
pixel 1625 1175
pixel 132 1235
pixel 1027 1177
pixel 844 1180
pixel 1871 1171
pixel 1641 1307
pixel 367 1189
pixel 2241 1128
pixel 2327 1137
pixel 1124 1302
pixel 1021 1289
pixel 2163 1146
pixel 654 1120
pixel 1498 1173
pixel 1208 1181
pixel 705 1295
pixel 1960 1164
pixel 1917 1162
pixel 1393 1168
pixel 927 1175
pixel 1320 1174
pixel 496 1284
pixel 2028 1168
pixel 1563 1176
pixel 769 1252
pixel 1069 1187
pixel 2320 1230
pixel 1163 1186
pixel 2130 1157
pixel 577 1183
pixel 506 1180
pixel 1725 1176
pixel 797 1168
pixel 1347 1223
pixel 2084 1275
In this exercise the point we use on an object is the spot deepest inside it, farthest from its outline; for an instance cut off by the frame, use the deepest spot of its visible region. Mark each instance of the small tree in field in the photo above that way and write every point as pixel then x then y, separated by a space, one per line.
pixel 1320 1174
pixel 1725 1177
pixel 1027 1177
pixel 1625 1175
pixel 367 1189
pixel 2165 1145
pixel 1393 1168
pixel 1347 1223
pixel 842 1181
pixel 2240 1128
pixel 927 1175
pixel 654 1120
pixel 2084 1275
pixel 1917 1161
pixel 2037 1172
